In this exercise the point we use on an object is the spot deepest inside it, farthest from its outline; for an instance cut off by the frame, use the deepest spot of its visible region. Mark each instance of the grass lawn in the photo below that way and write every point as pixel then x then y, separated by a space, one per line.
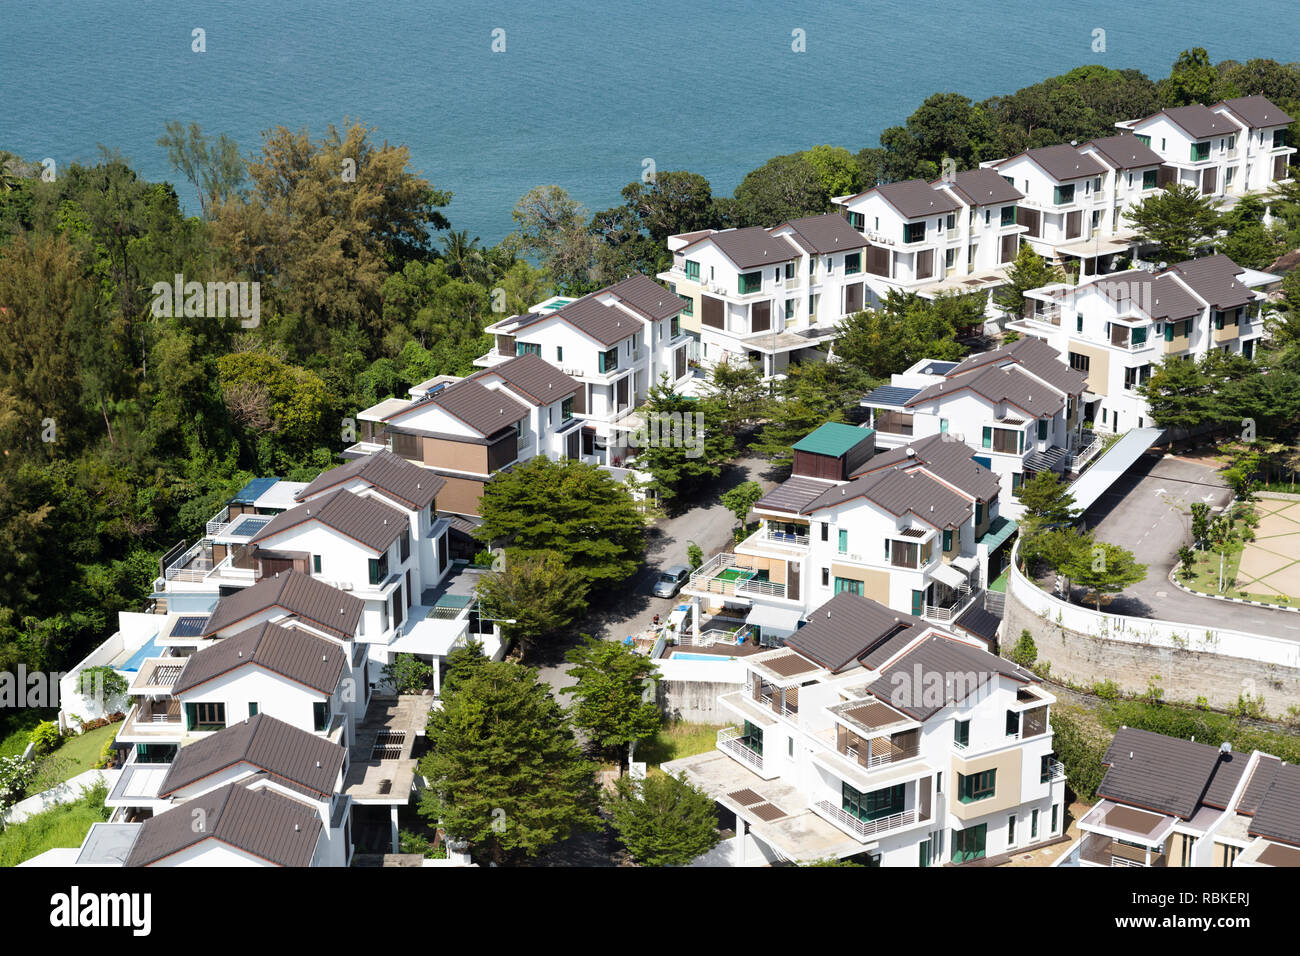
pixel 61 826
pixel 677 739
pixel 17 728
pixel 75 755
pixel 1000 585
pixel 1205 573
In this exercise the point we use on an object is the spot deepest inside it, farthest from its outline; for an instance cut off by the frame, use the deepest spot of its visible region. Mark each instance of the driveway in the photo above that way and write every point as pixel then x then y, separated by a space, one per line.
pixel 707 523
pixel 1147 512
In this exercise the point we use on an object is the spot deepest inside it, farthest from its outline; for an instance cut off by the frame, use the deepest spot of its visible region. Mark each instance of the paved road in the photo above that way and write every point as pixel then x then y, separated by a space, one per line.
pixel 708 524
pixel 1146 511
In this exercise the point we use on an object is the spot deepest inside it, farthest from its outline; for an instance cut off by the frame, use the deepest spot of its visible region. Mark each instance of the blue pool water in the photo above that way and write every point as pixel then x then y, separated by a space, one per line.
pixel 682 656
pixel 151 649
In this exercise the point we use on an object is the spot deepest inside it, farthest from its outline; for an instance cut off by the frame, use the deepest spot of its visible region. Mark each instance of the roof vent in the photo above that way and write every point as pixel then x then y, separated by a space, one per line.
pixel 239 653
pixel 911 452
pixel 1130 755
pixel 296 828
pixel 317 764
pixel 1225 747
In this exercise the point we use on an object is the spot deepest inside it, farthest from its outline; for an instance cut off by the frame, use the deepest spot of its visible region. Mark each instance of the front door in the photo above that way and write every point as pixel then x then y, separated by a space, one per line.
pixel 918 598
pixel 968 844
pixel 1208 181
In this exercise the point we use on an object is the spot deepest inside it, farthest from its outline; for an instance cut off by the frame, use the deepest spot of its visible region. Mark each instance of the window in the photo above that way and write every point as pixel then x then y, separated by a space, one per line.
pixel 1229 175
pixel 1149 178
pixel 968 844
pixel 789 749
pixel 1140 335
pixel 315 563
pixel 1011 830
pixel 1169 331
pixel 750 282
pixel 205 717
pixel 951 222
pixel 961 733
pixel 1080 363
pixel 1189 844
pixel 566 409
pixel 938 782
pixel 1143 139
pixel 1045 771
pixel 873 805
pixel 1056 807
pixel 252 708
pixel 379 568
pixel 1229 852
pixel 858 221
pixel 607 361
pixel 1279 138
pixel 692 270
pixel 1017 479
pixel 914 232
pixel 852 585
pixel 1063 195
pixel 979 512
pixel 943 426
pixel 1033 825
pixel 949 258
pixel 947 540
pixel 320 712
pixel 1006 441
pixel 527 348
pixel 853 264
pixel 1013 723
pixel 976 786
pixel 844 541
pixel 1200 151
pixel 404 547
pixel 826 530
pixel 789 309
pixel 1042 429
pixel 1008 215
pixel 790 269
pixel 826 577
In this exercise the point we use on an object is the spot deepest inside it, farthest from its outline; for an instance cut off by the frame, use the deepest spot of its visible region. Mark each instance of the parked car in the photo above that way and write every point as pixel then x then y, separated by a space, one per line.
pixel 671 580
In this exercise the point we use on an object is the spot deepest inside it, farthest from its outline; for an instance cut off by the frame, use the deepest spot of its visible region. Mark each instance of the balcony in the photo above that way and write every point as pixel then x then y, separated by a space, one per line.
pixel 950 610
pixel 367 448
pixel 893 423
pixel 1050 315
pixel 722 575
pixel 161 718
pixel 1099 850
pixel 191 566
pixel 862 829
pixel 218 522
pixel 1055 772
pixel 730 742
pixel 768 536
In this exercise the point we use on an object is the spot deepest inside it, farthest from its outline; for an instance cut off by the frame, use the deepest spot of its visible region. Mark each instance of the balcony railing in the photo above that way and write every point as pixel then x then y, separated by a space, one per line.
pixel 786 537
pixel 227 569
pixel 219 522
pixel 194 565
pixel 1055 772
pixel 940 612
pixel 863 829
pixel 729 741
pixel 708 579
pixel 1048 316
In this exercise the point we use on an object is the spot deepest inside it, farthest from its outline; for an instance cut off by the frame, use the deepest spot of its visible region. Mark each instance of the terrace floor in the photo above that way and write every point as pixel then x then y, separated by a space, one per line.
pixel 382 767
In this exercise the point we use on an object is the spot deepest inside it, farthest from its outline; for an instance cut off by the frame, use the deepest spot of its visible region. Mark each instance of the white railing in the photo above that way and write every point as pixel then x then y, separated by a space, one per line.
pixel 1074 462
pixel 219 522
pixel 369 447
pixel 863 828
pixel 227 569
pixel 705 580
pixel 1121 861
pixel 177 570
pixel 782 537
pixel 965 596
pixel 1055 771
pixel 729 742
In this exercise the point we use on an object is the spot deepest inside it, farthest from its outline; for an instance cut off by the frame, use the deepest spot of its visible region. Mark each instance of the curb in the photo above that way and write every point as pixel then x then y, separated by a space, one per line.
pixel 1223 597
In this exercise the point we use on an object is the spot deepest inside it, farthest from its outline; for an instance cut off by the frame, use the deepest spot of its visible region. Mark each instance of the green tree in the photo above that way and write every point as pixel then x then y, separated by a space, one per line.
pixel 1025 653
pixel 1105 569
pixel 504 770
pixel 837 171
pixel 673 448
pixel 553 226
pixel 1029 271
pixel 1178 394
pixel 906 329
pixel 663 820
pixel 694 555
pixel 1046 499
pixel 538 592
pixel 571 508
pixel 1193 79
pixel 1178 219
pixel 214 168
pixel 675 202
pixel 784 188
pixel 740 499
pixel 408 674
pixel 610 695
pixel 735 396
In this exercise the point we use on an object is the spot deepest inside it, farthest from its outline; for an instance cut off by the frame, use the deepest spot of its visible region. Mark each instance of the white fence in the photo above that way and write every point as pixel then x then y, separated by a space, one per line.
pixel 1149 631
pixel 66 792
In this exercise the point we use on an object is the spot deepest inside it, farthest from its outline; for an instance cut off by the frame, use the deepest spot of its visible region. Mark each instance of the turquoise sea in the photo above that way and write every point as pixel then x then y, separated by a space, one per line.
pixel 584 91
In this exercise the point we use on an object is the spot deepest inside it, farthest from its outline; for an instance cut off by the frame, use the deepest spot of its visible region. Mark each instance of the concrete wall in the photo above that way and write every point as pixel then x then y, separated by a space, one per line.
pixel 1191 661
pixel 695 700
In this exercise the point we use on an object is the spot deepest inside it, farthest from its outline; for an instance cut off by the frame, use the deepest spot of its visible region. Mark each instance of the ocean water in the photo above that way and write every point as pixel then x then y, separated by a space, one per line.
pixel 584 92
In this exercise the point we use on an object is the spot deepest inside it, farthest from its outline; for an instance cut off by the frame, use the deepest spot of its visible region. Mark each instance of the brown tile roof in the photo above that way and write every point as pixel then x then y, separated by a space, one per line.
pixel 314 602
pixel 982 187
pixel 1198 121
pixel 792 494
pixel 485 410
pixel 751 247
pixel 606 322
pixel 916 199
pixel 1278 815
pixel 292 653
pixel 1006 383
pixel 1063 162
pixel 1214 279
pixel 1260 780
pixel 531 376
pixel 281 831
pixel 398 478
pixel 826 233
pixel 950 461
pixel 365 520
pixel 848 628
pixel 907 685
pixel 1159 773
pixel 1159 296
pixel 644 295
pixel 1125 151
pixel 1256 111
pixel 289 756
pixel 1035 355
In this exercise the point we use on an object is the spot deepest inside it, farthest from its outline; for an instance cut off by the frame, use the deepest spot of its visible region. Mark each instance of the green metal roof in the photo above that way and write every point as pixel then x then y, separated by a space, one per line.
pixel 999 530
pixel 833 438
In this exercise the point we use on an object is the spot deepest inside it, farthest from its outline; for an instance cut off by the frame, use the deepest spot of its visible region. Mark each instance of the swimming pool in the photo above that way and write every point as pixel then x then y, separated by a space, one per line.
pixel 683 656
pixel 149 650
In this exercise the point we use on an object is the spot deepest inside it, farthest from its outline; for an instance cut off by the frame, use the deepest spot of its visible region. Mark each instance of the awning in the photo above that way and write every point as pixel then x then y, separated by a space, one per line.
pixel 774 618
pixel 1112 463
pixel 949 575
pixel 1001 529
pixel 967 563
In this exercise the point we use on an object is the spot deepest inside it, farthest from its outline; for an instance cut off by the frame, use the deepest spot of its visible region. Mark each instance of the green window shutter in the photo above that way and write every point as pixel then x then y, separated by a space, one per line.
pixel 559 353
pixel 1020 442
pixel 979 512
pixel 1169 331
pixel 988 437
pixel 1042 429
pixel 844 541
pixel 252 708
pixel 1078 322
pixel 947 541
pixel 315 563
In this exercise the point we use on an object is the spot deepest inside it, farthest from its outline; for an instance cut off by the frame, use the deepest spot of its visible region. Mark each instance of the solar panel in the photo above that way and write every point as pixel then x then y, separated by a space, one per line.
pixel 188 626
pixel 246 527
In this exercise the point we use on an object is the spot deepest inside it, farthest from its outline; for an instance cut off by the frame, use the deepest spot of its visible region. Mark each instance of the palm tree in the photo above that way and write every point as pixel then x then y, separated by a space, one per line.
pixel 463 255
